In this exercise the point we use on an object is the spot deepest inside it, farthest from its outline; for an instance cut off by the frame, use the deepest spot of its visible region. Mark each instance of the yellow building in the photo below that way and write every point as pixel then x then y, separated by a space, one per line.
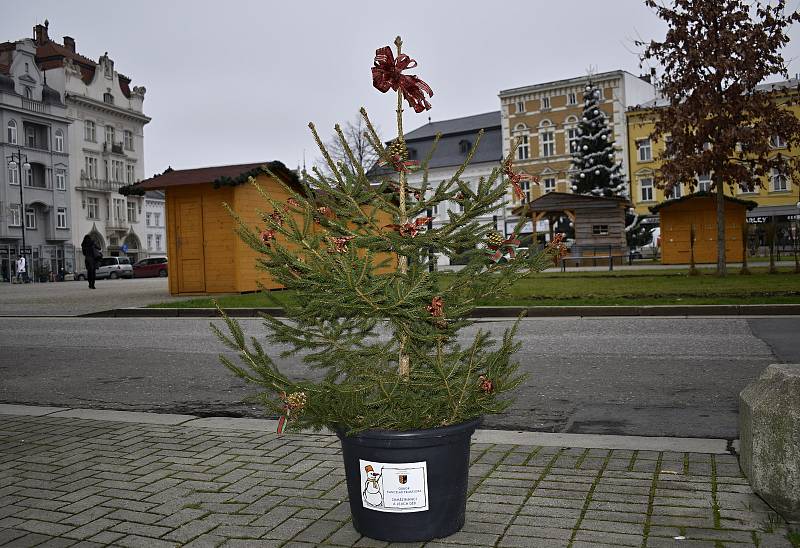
pixel 777 196
pixel 544 117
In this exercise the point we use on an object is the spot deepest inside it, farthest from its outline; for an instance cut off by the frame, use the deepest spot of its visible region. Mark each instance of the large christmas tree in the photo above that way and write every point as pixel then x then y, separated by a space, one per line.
pixel 597 170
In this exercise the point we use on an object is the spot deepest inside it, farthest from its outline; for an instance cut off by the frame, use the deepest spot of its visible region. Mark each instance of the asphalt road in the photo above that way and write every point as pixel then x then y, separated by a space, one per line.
pixel 630 376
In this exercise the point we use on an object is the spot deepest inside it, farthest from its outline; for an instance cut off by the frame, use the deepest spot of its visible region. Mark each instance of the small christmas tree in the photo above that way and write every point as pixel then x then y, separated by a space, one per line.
pixel 367 311
pixel 597 170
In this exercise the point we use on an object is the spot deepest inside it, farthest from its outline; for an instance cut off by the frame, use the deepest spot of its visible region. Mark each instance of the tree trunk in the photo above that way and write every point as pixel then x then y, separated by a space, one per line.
pixel 721 260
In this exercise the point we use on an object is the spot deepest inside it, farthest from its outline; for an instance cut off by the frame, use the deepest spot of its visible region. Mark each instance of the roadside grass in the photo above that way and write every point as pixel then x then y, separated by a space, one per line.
pixel 630 287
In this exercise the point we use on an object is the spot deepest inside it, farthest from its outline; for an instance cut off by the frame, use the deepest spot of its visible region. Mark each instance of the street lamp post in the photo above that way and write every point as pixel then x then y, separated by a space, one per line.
pixel 16 162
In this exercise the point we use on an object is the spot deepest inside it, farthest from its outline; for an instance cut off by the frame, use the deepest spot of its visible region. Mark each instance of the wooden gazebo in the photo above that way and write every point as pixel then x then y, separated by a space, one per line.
pixel 599 222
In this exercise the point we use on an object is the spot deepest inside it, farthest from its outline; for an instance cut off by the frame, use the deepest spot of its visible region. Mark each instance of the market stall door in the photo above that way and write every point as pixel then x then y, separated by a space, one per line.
pixel 189 232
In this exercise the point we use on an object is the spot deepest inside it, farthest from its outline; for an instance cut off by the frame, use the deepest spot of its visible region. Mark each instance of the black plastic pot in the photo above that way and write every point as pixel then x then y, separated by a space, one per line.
pixel 398 460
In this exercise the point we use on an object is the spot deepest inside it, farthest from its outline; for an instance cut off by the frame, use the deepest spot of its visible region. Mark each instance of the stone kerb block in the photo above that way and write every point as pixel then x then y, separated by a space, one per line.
pixel 769 431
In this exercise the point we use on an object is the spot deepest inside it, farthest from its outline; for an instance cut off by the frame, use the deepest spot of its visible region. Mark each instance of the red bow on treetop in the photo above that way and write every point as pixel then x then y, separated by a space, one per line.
pixel 387 74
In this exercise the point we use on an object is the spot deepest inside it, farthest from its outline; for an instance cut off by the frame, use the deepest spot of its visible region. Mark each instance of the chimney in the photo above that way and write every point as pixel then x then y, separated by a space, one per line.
pixel 69 43
pixel 40 34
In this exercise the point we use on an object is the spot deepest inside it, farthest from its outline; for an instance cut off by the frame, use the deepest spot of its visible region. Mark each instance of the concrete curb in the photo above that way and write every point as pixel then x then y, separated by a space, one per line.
pixel 504 437
pixel 493 311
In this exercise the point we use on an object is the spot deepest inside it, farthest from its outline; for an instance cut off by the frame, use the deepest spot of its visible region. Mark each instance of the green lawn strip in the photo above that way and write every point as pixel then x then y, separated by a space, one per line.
pixel 636 287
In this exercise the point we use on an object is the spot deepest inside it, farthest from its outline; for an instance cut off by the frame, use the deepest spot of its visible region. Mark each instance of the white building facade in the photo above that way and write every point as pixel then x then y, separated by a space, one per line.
pixel 155 223
pixel 106 148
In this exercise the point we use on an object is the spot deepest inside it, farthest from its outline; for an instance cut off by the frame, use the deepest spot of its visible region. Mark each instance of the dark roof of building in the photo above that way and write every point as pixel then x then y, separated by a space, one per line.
pixel 749 204
pixel 179 177
pixel 466 124
pixel 792 83
pixel 559 201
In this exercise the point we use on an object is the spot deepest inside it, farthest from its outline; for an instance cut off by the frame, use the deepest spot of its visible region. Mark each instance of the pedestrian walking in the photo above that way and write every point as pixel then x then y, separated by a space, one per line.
pixel 92 255
pixel 21 269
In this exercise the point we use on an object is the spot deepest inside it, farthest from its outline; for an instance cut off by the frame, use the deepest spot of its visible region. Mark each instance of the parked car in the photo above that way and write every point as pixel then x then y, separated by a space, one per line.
pixel 110 267
pixel 148 268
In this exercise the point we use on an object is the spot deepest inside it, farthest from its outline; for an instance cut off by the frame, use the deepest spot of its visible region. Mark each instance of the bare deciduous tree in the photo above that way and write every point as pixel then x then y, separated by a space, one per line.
pixel 363 152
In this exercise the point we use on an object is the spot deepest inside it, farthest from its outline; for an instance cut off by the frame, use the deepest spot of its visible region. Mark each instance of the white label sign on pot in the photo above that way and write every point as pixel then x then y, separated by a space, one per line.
pixel 394 486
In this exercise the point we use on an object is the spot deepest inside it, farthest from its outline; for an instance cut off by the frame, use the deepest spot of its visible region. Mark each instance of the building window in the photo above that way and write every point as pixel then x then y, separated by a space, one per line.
pixel 116 170
pixel 12 132
pixel 545 103
pixel 131 212
pixel 130 174
pixel 91 167
pixel 520 107
pixel 147 217
pixel 776 141
pixel 90 131
pixel 30 218
pixel 110 135
pixel 549 185
pixel 646 188
pixel 29 177
pixel 13 176
pixel 157 217
pixel 644 150
pixel 14 218
pixel 464 146
pixel 777 181
pixel 108 98
pixel 92 208
pixel 572 140
pixel 127 135
pixel 61 180
pixel 600 230
pixel 158 242
pixel 59 141
pixel 523 150
pixel 526 192
pixel 149 242
pixel 28 92
pixel 48 177
pixel 61 217
pixel 119 209
pixel 676 192
pixel 548 140
pixel 704 182
pixel 572 98
pixel 30 136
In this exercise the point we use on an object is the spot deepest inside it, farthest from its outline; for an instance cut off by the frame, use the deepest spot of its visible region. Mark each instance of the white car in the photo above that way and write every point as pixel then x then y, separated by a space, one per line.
pixel 110 267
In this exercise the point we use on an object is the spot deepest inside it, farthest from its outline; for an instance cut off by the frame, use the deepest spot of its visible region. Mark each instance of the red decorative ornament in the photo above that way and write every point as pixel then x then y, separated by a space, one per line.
pixel 485 384
pixel 497 247
pixel 436 308
pixel 276 217
pixel 387 73
pixel 339 244
pixel 410 229
pixel 267 235
pixel 516 178
pixel 293 202
pixel 556 248
pixel 398 164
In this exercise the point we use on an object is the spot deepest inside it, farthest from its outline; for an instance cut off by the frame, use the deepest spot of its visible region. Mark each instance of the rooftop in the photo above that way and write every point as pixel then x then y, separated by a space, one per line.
pixel 566 82
pixel 179 177
pixel 465 124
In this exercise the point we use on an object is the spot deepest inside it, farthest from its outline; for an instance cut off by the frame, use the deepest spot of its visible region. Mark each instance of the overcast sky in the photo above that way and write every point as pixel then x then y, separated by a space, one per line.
pixel 238 81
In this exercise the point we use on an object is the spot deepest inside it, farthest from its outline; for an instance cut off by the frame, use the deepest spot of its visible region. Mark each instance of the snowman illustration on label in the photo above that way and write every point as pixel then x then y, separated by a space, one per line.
pixel 372 490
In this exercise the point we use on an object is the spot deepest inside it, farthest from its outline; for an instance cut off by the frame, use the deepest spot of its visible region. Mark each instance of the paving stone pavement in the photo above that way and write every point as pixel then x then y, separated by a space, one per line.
pixel 68 481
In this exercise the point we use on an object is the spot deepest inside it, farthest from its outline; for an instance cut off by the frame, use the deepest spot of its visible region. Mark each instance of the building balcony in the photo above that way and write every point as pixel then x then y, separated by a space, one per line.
pixel 100 185
pixel 114 148
pixel 117 225
pixel 35 106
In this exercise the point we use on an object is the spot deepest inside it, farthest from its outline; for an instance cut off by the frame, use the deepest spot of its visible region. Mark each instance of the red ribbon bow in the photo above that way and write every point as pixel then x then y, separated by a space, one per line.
pixel 516 178
pixel 410 229
pixel 387 74
pixel 506 247
pixel 399 164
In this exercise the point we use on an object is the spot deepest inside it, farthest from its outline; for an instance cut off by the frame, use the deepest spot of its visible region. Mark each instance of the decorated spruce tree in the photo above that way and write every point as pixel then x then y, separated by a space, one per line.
pixel 597 170
pixel 365 310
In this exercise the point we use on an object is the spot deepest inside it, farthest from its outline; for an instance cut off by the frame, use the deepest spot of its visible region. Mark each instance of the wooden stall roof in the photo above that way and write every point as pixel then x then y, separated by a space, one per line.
pixel 179 177
pixel 560 201
pixel 749 204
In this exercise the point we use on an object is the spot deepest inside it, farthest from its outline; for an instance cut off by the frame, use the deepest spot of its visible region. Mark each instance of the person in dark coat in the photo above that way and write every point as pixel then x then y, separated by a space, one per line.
pixel 92 255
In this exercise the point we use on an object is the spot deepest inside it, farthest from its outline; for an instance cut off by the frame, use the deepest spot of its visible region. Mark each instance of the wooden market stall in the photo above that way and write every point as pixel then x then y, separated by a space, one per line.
pixel 205 253
pixel 599 224
pixel 699 210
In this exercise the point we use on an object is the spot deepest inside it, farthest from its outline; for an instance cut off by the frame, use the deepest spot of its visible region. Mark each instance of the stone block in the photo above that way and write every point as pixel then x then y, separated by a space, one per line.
pixel 769 430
